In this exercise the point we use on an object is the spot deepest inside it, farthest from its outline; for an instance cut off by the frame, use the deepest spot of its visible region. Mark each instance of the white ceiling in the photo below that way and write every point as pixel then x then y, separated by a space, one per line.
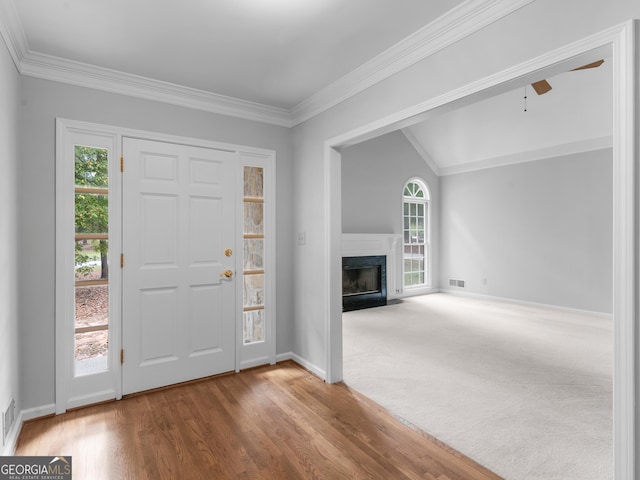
pixel 272 60
pixel 273 52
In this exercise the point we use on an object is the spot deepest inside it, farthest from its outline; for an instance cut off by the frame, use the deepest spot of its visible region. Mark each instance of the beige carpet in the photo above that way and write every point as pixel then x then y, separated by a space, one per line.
pixel 525 391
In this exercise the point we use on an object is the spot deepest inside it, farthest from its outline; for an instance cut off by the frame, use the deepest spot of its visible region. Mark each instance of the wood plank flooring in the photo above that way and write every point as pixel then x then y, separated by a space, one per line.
pixel 273 422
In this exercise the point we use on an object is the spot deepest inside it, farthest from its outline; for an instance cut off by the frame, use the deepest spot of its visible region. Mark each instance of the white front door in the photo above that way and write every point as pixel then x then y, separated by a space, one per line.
pixel 178 296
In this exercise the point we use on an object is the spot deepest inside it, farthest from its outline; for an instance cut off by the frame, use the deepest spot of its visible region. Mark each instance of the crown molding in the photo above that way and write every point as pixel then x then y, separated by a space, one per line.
pixel 83 75
pixel 463 20
pixel 460 22
pixel 12 32
pixel 562 150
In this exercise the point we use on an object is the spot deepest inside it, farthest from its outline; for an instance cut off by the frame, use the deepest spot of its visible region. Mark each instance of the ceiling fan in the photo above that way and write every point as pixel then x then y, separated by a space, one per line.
pixel 543 86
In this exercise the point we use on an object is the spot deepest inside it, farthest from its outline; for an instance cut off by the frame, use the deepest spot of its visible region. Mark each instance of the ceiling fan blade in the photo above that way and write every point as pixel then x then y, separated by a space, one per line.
pixel 541 87
pixel 589 65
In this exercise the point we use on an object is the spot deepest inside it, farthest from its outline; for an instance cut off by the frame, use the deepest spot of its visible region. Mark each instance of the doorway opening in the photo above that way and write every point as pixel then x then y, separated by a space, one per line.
pixel 625 153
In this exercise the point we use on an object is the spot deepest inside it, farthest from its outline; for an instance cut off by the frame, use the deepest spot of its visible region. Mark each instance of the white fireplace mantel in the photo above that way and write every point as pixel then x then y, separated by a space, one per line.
pixel 388 244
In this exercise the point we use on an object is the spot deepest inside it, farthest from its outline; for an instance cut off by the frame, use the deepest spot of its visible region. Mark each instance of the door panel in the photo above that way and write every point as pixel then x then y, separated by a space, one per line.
pixel 178 308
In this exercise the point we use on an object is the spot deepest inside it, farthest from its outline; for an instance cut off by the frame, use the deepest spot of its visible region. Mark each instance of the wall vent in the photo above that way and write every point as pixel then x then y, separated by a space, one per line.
pixel 456 283
pixel 8 417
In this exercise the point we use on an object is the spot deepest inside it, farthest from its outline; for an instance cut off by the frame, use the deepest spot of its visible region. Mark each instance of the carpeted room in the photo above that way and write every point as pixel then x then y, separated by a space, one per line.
pixel 533 227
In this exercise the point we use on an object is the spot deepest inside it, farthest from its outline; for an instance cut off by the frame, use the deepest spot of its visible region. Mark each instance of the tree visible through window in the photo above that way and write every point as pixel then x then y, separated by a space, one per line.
pixel 415 233
pixel 91 259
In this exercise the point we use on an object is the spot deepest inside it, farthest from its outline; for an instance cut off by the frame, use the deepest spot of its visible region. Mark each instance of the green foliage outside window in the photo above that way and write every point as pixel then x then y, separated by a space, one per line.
pixel 91 209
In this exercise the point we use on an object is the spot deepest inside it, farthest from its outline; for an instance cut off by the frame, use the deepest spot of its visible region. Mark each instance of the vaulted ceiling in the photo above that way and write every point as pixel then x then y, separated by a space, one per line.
pixel 575 116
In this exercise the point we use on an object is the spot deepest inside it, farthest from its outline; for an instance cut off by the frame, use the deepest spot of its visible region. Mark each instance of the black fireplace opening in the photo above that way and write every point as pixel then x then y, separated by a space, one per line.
pixel 364 282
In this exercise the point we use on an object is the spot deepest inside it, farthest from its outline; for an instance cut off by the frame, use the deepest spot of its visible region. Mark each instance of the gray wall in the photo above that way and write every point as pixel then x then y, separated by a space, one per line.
pixel 9 161
pixel 42 102
pixel 538 231
pixel 511 41
pixel 373 176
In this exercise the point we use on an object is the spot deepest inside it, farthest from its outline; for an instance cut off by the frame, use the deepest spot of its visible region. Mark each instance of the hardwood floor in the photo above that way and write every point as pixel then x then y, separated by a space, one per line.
pixel 273 422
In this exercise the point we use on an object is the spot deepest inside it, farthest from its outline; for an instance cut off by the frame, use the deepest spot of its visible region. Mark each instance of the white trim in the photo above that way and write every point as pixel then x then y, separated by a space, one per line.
pixel 588 145
pixel 626 378
pixel 461 21
pixel 556 61
pixel 623 40
pixel 161 137
pixel 333 262
pixel 387 244
pixel 417 291
pixel 458 23
pixel 426 201
pixel 283 357
pixel 37 412
pixel 12 32
pixel 481 296
pixel 84 75
pixel 9 447
pixel 63 127
pixel 308 365
pixel 564 149
pixel 252 355
pixel 70 390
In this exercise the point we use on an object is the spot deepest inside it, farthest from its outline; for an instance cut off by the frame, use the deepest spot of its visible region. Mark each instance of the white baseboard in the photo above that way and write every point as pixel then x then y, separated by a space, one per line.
pixel 36 412
pixel 303 363
pixel 283 357
pixel 9 448
pixel 415 292
pixel 481 296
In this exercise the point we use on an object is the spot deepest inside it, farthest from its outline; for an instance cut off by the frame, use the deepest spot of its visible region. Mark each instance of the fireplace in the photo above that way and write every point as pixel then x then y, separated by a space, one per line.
pixel 364 282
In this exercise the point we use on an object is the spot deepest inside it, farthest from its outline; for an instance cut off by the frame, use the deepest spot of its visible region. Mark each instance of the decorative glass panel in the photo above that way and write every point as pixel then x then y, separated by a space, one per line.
pixel 253 182
pixel 254 317
pixel 253 290
pixel 253 326
pixel 253 218
pixel 253 254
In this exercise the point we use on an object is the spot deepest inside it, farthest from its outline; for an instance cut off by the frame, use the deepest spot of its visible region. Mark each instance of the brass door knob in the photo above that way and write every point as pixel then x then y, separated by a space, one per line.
pixel 226 274
pixel 228 252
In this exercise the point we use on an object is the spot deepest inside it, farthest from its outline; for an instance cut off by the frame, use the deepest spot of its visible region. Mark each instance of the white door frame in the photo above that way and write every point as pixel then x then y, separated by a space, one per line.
pixel 76 391
pixel 64 232
pixel 622 40
pixel 252 355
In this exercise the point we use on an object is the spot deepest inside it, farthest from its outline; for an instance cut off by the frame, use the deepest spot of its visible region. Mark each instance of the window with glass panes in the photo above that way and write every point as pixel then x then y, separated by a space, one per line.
pixel 415 234
pixel 253 325
pixel 91 259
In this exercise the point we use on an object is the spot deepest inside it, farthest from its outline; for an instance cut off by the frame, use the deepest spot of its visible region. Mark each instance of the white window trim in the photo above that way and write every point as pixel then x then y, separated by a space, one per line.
pixel 70 390
pixel 258 353
pixel 427 237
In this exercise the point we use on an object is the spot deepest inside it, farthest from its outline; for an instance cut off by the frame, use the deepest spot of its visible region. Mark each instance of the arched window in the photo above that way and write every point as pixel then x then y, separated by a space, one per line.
pixel 415 220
